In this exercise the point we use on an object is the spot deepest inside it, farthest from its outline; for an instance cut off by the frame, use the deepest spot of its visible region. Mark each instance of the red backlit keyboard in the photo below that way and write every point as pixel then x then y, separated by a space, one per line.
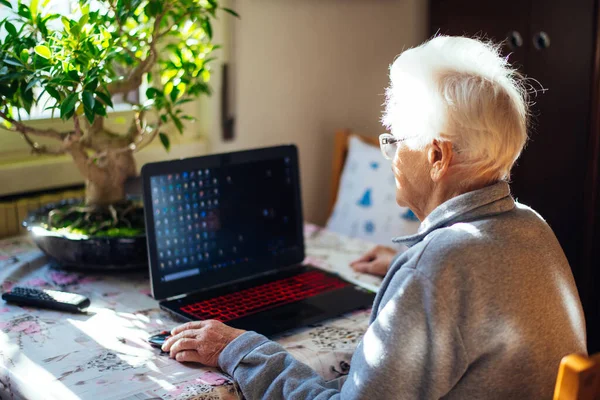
pixel 259 298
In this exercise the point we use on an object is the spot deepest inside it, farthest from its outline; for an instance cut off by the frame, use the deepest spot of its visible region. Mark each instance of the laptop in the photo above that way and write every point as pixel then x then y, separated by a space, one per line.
pixel 225 242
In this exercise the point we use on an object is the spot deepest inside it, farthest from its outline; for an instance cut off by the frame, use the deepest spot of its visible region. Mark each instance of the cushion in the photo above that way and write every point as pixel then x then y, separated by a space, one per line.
pixel 366 205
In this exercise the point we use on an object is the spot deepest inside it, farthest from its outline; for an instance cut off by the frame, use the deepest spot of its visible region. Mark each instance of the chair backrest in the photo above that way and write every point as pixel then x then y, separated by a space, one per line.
pixel 340 151
pixel 578 378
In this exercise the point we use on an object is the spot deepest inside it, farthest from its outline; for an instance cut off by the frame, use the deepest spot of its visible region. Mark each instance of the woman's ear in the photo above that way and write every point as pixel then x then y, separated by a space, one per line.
pixel 439 156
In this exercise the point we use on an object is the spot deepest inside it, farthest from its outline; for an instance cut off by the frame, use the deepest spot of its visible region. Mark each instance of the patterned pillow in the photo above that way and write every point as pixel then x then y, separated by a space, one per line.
pixel 366 204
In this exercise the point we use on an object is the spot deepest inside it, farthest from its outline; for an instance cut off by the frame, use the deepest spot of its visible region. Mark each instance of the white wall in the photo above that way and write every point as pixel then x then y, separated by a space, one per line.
pixel 305 68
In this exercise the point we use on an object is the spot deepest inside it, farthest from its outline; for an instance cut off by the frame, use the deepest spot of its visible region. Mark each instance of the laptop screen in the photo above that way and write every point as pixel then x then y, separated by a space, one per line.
pixel 221 218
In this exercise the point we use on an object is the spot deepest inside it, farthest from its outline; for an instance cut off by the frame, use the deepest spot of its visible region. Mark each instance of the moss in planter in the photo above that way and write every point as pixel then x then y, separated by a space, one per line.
pixel 119 220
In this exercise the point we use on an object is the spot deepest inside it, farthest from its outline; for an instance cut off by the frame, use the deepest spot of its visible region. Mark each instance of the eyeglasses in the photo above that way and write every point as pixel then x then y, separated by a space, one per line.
pixel 389 144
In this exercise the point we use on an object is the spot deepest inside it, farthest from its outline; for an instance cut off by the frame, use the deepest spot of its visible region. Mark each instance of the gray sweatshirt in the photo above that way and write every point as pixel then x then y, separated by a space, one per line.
pixel 481 306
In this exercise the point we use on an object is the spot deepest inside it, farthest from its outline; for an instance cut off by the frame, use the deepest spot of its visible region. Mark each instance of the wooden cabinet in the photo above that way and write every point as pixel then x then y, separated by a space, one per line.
pixel 556 173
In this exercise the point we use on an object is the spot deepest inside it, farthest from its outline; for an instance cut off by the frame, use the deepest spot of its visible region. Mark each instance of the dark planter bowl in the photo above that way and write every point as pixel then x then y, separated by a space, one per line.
pixel 86 253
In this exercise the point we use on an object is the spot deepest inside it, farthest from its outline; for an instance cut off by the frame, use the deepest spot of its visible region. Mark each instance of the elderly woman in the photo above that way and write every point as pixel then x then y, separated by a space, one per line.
pixel 483 304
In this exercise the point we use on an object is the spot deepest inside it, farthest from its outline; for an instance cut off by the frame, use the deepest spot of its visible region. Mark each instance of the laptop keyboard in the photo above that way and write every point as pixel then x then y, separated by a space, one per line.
pixel 259 298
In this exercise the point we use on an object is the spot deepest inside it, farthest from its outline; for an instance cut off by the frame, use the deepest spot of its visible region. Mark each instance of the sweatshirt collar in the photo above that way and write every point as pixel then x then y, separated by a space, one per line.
pixel 490 200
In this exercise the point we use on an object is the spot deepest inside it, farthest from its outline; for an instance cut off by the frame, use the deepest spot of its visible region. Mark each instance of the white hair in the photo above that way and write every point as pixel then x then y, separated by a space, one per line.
pixel 460 90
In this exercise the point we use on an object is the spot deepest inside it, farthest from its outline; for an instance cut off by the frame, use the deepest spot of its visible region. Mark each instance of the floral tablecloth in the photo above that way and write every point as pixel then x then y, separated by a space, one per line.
pixel 104 355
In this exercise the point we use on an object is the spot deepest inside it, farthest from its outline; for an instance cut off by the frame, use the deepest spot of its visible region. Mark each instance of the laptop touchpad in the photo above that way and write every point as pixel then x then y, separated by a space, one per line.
pixel 294 312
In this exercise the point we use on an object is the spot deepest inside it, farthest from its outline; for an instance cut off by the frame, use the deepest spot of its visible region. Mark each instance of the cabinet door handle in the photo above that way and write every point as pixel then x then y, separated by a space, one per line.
pixel 541 40
pixel 514 40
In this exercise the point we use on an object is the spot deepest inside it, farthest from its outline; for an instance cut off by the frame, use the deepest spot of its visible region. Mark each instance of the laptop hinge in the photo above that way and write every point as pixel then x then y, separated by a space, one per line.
pixel 263 274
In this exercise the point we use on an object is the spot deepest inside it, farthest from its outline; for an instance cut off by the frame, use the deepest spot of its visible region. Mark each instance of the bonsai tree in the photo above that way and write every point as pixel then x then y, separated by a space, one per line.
pixel 75 66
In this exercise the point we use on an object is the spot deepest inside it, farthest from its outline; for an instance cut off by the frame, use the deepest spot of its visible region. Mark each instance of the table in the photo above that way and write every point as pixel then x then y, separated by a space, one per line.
pixel 104 355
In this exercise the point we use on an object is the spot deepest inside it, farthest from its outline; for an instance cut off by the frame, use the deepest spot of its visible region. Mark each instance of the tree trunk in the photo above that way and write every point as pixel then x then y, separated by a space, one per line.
pixel 108 186
pixel 103 192
pixel 104 179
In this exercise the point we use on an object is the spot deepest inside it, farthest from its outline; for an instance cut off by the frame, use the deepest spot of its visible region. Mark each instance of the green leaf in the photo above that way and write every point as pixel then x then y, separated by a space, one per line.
pixel 40 62
pixel 100 109
pixel 3 70
pixel 68 115
pixel 25 96
pixel 68 105
pixel 164 139
pixel 75 30
pixel 13 61
pixel 33 7
pixel 7 124
pixel 11 90
pixel 91 85
pixel 183 101
pixel 32 83
pixel 93 16
pixel 24 55
pixel 230 11
pixel 73 75
pixel 213 7
pixel 177 123
pixel 105 98
pixel 5 91
pixel 89 114
pixel 51 16
pixel 67 23
pixel 24 11
pixel 5 3
pixel 88 100
pixel 174 94
pixel 83 20
pixel 207 27
pixel 152 93
pixel 169 86
pixel 53 92
pixel 153 8
pixel 43 51
pixel 39 96
pixel 93 49
pixel 41 24
pixel 12 77
pixel 10 28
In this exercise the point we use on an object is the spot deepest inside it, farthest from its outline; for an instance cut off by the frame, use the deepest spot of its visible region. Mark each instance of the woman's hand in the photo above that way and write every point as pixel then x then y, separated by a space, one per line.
pixel 200 341
pixel 376 261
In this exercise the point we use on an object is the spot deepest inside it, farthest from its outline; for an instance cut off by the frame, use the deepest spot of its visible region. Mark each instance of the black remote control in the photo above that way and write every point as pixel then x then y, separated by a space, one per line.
pixel 43 298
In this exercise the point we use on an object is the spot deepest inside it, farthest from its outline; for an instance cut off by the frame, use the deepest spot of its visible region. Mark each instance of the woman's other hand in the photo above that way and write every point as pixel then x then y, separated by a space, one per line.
pixel 376 261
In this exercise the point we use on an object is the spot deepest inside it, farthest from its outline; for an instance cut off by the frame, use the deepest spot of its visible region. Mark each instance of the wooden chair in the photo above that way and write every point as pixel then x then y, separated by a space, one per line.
pixel 578 378
pixel 340 151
